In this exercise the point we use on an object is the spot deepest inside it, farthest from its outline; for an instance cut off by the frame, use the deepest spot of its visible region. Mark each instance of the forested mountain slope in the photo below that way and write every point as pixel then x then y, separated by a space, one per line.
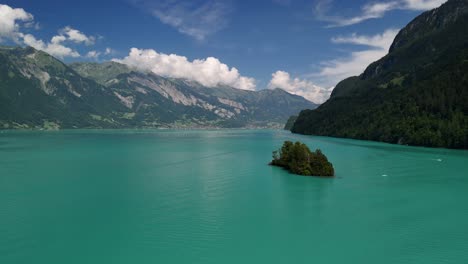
pixel 416 95
pixel 38 91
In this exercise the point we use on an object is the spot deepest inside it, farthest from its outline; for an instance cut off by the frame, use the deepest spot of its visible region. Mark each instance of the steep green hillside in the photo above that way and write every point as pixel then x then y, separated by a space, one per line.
pixel 290 123
pixel 416 95
pixel 39 91
pixel 36 90
pixel 100 72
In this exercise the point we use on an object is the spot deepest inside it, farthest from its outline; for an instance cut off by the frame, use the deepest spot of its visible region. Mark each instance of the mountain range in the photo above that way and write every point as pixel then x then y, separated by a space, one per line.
pixel 415 95
pixel 38 91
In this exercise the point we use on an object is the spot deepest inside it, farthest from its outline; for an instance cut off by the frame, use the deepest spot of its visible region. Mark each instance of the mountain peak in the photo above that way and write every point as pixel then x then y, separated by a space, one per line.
pixel 36 89
pixel 100 72
pixel 430 21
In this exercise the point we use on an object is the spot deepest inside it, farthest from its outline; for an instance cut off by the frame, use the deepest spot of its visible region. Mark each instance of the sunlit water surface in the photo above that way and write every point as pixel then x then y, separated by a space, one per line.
pixel 209 197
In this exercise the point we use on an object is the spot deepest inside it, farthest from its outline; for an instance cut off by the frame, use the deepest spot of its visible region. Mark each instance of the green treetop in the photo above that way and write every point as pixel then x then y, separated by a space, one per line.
pixel 298 159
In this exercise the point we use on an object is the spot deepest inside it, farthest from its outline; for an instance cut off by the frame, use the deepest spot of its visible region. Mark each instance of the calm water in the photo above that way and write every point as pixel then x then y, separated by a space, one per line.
pixel 208 197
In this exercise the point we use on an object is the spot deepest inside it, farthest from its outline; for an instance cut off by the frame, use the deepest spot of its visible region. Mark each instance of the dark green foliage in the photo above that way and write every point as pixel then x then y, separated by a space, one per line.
pixel 298 159
pixel 290 123
pixel 416 95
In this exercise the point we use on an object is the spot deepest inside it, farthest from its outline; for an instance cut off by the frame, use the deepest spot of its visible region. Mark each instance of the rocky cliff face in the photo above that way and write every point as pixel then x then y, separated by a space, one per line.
pixel 188 102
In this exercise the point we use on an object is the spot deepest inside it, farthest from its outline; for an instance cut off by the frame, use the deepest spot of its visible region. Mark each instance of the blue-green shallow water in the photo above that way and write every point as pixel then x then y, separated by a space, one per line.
pixel 209 197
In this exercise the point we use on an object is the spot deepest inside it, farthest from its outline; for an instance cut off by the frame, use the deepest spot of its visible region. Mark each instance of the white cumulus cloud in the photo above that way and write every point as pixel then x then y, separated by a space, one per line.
pixel 54 48
pixel 10 19
pixel 209 72
pixel 304 88
pixel 57 47
pixel 93 54
pixel 77 36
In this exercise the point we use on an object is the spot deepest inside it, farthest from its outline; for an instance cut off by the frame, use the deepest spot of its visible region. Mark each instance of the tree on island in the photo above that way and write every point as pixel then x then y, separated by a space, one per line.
pixel 298 159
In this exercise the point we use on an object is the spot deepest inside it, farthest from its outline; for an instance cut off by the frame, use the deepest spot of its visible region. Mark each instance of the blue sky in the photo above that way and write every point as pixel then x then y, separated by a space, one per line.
pixel 302 46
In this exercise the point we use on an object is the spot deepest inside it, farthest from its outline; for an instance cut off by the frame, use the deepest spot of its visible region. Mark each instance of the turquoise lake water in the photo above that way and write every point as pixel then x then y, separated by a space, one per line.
pixel 209 197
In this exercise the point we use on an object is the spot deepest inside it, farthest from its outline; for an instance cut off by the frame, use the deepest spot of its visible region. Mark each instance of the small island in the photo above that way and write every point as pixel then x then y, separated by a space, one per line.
pixel 298 159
